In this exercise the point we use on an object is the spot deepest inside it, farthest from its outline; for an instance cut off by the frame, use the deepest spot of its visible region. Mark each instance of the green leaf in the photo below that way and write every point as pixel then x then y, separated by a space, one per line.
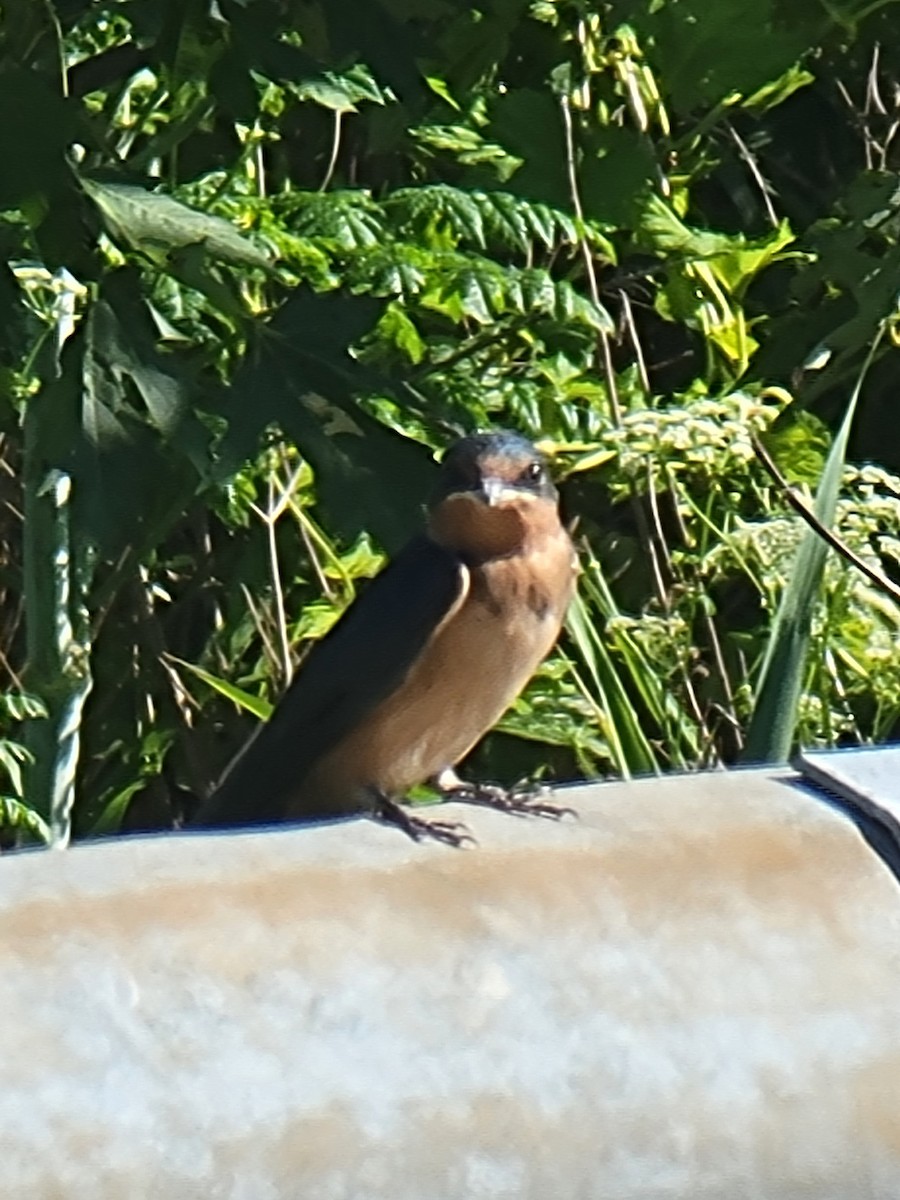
pixel 772 725
pixel 12 756
pixel 152 221
pixel 474 292
pixel 15 814
pixel 342 92
pixel 439 87
pixel 349 220
pixel 799 442
pixel 396 326
pixel 109 819
pixel 738 266
pixel 21 706
pixel 469 148
pixel 632 753
pixel 706 53
pixel 257 705
pixel 119 421
pixel 304 370
pixel 661 230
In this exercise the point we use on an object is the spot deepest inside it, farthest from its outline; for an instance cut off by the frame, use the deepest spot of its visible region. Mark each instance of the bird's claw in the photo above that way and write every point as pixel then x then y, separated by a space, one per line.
pixel 449 833
pixel 519 801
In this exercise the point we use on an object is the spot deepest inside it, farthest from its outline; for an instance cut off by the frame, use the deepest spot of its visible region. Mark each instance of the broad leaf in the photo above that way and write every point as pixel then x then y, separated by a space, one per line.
pixel 153 221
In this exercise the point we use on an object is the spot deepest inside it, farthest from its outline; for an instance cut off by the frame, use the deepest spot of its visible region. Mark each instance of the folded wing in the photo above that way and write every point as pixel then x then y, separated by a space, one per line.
pixel 356 665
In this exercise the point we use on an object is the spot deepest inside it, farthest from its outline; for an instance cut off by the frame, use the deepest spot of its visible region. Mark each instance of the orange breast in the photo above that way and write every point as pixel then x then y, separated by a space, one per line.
pixel 467 677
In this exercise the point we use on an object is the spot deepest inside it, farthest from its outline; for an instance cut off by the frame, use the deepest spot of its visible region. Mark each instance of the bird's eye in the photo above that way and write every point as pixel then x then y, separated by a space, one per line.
pixel 533 473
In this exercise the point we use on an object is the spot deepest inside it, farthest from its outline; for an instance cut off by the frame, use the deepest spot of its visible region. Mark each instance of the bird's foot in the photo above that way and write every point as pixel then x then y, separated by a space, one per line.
pixel 450 833
pixel 521 801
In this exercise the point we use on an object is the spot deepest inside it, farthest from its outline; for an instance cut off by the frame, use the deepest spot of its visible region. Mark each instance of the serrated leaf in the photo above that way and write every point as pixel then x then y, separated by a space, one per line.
pixel 513 293
pixel 586 312
pixel 474 295
pixel 310 380
pixel 540 220
pixel 349 220
pixel 538 290
pixel 508 222
pixel 464 211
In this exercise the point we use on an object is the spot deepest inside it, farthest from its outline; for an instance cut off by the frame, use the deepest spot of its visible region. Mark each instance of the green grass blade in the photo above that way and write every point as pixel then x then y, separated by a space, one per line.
pixel 771 731
pixel 654 692
pixel 630 749
pixel 253 704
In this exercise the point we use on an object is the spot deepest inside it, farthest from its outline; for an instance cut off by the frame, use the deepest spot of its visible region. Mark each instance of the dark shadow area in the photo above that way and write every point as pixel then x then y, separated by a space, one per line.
pixel 879 829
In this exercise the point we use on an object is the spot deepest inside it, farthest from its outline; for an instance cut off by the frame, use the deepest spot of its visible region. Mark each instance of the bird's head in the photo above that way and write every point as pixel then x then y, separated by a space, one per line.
pixel 494 493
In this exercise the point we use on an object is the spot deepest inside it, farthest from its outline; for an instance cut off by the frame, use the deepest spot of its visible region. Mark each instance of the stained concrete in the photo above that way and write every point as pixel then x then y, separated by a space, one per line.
pixel 691 991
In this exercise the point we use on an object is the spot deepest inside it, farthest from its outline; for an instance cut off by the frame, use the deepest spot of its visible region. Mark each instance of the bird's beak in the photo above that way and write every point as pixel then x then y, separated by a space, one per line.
pixel 492 491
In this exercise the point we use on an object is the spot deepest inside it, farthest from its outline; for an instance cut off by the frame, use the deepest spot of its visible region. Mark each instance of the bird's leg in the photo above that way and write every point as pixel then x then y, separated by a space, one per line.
pixel 521 801
pixel 451 833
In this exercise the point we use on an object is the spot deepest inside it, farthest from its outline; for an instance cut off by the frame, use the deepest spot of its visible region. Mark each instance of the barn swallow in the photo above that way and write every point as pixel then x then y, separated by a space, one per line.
pixel 424 662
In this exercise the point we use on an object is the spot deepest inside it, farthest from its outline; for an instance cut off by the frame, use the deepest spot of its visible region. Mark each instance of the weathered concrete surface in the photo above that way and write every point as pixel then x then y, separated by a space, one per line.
pixel 692 992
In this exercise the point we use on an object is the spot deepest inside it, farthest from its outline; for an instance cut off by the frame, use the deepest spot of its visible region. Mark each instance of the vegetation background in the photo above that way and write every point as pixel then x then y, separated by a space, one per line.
pixel 262 258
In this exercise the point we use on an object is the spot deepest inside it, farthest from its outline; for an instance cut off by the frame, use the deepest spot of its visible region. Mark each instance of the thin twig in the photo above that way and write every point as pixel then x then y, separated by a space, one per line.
pixel 649 544
pixel 260 170
pixel 322 578
pixel 725 681
pixel 270 518
pixel 753 166
pixel 335 150
pixel 8 667
pixel 186 704
pixel 799 505
pixel 256 617
pixel 694 705
pixel 686 537
pixel 873 96
pixel 657 531
pixel 608 370
pixel 287 666
pixel 860 122
pixel 628 317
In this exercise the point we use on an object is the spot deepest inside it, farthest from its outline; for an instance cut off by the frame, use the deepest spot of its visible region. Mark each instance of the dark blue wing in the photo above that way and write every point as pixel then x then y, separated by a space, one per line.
pixel 356 665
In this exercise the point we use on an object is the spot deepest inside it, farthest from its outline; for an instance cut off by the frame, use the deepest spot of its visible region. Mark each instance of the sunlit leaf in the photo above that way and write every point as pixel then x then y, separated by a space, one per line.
pixel 257 705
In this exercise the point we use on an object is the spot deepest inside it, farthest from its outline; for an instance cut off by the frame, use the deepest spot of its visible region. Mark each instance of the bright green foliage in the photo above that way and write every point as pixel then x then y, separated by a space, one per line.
pixel 260 261
pixel 15 814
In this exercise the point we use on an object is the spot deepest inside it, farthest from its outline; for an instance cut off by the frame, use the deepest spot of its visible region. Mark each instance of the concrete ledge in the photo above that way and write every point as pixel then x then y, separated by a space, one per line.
pixel 691 992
